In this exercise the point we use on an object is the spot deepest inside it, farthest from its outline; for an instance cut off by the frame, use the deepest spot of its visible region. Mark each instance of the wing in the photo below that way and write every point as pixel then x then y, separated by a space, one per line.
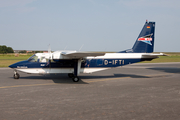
pixel 75 54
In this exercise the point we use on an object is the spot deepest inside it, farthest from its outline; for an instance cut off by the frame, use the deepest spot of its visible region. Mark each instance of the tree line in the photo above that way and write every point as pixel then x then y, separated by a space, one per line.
pixel 4 49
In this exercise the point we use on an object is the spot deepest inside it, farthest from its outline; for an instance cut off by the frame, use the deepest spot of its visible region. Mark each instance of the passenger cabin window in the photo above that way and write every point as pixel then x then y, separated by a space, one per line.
pixel 99 62
pixel 33 58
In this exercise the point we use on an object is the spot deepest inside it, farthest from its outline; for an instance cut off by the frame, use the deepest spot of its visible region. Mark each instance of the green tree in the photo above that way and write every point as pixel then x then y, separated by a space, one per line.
pixel 10 50
pixel 4 49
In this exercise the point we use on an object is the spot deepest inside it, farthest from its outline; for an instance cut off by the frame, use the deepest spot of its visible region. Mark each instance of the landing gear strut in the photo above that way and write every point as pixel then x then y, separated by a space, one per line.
pixel 16 75
pixel 74 78
pixel 77 65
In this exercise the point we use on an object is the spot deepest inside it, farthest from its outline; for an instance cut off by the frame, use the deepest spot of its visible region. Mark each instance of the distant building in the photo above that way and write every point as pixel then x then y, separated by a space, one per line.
pixel 30 51
pixel 17 51
pixel 45 51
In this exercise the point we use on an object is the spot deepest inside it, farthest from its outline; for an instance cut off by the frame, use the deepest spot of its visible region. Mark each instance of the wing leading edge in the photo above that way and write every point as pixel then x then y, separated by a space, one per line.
pixel 75 54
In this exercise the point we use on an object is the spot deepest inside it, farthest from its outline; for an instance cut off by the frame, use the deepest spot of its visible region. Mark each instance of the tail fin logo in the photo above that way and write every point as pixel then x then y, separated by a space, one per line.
pixel 147 39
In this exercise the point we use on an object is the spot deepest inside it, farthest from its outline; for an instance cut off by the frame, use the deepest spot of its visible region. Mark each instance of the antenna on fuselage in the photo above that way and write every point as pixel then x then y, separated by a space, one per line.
pixel 81 47
pixel 65 47
pixel 49 51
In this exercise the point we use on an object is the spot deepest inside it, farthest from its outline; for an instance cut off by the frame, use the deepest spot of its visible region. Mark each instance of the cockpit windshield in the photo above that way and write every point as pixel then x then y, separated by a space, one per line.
pixel 33 58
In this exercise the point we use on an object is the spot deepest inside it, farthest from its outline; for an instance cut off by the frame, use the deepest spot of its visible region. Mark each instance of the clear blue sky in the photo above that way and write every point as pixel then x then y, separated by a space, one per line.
pixel 101 25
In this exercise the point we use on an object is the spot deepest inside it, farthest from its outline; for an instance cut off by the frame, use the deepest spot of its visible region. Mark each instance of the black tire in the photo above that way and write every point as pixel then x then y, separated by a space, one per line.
pixel 70 75
pixel 75 79
pixel 16 76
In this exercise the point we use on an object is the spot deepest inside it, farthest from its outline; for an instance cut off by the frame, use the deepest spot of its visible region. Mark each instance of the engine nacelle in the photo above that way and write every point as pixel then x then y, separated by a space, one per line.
pixel 57 55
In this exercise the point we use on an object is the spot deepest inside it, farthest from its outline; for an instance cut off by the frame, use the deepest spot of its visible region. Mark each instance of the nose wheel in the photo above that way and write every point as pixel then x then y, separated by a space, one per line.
pixel 16 75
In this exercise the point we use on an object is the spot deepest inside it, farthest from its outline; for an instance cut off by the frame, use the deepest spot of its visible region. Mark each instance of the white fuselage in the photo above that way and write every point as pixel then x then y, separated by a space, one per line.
pixel 114 59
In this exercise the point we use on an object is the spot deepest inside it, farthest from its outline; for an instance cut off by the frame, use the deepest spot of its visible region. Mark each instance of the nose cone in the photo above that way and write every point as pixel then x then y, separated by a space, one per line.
pixel 18 64
pixel 13 65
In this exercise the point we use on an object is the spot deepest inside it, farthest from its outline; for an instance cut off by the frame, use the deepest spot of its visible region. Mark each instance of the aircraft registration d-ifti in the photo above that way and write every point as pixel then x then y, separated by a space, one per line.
pixel 74 62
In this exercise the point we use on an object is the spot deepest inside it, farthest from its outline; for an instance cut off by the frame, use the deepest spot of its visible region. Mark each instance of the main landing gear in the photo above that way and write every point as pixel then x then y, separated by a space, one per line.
pixel 77 66
pixel 74 78
pixel 16 75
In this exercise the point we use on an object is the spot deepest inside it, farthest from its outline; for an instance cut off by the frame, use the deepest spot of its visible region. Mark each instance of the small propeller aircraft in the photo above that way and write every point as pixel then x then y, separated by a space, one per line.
pixel 73 62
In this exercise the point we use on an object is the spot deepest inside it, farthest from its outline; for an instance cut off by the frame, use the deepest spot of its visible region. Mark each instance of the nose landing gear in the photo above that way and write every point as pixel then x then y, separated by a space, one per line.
pixel 16 75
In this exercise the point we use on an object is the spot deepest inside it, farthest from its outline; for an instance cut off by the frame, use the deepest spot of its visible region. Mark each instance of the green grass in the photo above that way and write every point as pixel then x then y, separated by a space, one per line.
pixel 6 63
pixel 8 59
pixel 13 57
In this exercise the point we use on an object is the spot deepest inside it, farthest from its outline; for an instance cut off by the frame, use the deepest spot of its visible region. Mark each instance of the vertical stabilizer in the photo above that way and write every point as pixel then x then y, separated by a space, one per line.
pixel 145 40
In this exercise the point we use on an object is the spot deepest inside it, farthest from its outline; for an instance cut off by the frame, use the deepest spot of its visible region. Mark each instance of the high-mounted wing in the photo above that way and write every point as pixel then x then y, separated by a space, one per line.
pixel 75 54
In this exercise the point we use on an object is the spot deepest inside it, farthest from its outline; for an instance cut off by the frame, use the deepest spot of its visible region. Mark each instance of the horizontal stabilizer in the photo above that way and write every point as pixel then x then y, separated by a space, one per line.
pixel 150 55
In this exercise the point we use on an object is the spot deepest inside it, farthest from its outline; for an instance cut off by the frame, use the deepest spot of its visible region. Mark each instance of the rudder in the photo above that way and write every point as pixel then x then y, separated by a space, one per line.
pixel 145 41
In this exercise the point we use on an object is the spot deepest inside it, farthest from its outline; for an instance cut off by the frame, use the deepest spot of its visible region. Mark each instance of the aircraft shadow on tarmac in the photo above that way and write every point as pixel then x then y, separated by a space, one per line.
pixel 55 78
pixel 167 70
pixel 113 76
pixel 60 78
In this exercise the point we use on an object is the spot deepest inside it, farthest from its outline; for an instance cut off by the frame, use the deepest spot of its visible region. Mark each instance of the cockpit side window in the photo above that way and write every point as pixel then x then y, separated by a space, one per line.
pixel 43 59
pixel 33 58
